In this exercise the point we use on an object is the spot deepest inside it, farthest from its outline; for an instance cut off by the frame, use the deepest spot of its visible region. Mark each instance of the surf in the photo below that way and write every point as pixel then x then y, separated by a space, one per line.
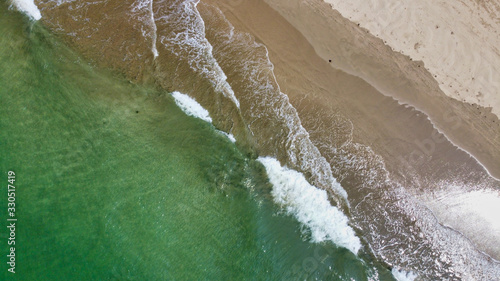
pixel 28 7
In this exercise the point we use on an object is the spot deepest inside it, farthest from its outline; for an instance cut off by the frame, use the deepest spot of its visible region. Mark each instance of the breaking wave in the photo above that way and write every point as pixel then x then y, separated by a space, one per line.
pixel 310 206
pixel 28 7
pixel 191 107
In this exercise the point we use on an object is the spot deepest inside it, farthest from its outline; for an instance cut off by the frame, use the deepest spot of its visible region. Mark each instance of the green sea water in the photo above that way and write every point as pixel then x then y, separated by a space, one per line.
pixel 114 182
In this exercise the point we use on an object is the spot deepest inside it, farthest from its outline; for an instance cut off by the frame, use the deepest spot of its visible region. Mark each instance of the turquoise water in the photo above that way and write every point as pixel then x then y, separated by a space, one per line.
pixel 115 182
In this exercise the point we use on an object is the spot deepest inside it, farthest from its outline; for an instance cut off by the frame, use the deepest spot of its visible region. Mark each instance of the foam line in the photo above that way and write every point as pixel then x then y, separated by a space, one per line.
pixel 402 275
pixel 229 136
pixel 191 107
pixel 28 7
pixel 310 206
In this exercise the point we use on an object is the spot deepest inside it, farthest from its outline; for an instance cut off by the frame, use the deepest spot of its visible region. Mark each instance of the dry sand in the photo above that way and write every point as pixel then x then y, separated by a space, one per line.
pixel 405 138
pixel 459 41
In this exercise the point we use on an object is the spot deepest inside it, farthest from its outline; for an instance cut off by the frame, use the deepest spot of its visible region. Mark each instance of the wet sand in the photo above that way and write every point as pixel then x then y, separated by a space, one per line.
pixel 331 103
pixel 354 50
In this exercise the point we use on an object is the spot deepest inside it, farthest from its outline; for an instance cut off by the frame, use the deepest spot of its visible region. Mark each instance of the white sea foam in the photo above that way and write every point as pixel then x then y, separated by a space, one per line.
pixel 191 107
pixel 28 7
pixel 310 206
pixel 402 275
pixel 229 136
pixel 153 25
pixel 143 10
pixel 480 208
pixel 187 40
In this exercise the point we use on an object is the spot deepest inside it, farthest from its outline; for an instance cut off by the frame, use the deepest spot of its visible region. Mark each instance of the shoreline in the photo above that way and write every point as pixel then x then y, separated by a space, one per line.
pixel 458 41
pixel 392 129
pixel 357 52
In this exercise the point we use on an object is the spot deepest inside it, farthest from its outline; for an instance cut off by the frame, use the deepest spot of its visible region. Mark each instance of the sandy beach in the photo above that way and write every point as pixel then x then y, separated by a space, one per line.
pixel 458 41
pixel 383 114
pixel 355 50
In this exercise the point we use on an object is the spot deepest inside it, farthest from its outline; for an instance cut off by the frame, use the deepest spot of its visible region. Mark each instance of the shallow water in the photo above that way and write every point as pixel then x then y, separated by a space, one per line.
pixel 161 156
pixel 115 182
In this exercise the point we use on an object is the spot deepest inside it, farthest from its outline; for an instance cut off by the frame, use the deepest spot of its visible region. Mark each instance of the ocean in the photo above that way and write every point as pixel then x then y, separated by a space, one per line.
pixel 157 144
pixel 116 182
